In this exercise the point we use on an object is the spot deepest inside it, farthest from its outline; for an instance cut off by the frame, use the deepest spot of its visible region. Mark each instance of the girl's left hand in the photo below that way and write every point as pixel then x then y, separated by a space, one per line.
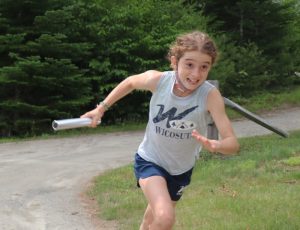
pixel 211 145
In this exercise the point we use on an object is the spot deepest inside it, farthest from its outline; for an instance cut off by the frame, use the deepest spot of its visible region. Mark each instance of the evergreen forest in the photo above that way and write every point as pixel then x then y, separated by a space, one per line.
pixel 58 59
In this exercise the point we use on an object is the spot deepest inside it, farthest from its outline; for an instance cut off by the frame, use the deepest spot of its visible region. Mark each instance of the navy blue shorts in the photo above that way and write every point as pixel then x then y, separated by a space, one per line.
pixel 176 184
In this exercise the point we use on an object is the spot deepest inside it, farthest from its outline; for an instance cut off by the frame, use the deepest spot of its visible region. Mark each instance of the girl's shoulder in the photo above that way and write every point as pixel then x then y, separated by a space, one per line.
pixel 167 76
pixel 159 78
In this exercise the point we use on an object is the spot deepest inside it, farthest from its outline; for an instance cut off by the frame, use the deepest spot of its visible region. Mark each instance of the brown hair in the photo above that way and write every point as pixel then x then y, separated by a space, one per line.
pixel 193 41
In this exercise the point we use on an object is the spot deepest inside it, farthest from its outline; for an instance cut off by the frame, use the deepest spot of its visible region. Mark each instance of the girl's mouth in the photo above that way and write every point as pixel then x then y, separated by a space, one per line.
pixel 192 82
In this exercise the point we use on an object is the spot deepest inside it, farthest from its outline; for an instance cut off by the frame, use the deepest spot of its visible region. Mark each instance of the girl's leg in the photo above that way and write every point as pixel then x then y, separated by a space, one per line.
pixel 147 219
pixel 160 213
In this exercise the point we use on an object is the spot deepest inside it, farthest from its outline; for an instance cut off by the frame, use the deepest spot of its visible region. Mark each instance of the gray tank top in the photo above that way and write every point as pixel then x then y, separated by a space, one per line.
pixel 174 149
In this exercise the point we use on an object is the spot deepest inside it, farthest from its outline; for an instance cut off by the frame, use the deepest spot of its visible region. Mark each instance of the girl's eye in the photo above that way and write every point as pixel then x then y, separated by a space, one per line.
pixel 189 65
pixel 204 67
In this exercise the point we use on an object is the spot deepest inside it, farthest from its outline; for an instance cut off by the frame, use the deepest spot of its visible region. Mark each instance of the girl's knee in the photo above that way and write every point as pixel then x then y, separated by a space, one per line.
pixel 165 219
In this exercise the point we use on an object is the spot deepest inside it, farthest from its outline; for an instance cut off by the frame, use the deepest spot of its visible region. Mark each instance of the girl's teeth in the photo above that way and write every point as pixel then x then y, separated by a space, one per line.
pixel 193 82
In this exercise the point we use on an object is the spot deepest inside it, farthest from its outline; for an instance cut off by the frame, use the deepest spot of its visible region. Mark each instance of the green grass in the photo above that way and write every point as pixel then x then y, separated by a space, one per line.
pixel 268 101
pixel 257 189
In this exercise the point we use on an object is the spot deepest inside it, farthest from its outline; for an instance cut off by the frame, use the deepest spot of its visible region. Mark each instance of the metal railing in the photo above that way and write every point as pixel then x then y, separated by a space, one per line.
pixel 212 131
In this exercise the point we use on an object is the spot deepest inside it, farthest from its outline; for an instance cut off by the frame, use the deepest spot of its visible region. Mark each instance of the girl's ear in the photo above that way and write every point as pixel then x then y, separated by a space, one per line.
pixel 173 62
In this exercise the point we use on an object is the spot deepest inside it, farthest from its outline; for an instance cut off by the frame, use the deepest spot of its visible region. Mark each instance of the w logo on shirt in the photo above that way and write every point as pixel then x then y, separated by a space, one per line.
pixel 171 114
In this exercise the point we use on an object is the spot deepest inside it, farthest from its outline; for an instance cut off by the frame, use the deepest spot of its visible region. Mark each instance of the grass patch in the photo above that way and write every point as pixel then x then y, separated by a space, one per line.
pixel 292 161
pixel 267 101
pixel 118 197
pixel 257 189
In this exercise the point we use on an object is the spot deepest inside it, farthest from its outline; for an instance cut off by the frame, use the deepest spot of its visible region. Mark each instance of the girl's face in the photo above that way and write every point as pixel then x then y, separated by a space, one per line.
pixel 192 68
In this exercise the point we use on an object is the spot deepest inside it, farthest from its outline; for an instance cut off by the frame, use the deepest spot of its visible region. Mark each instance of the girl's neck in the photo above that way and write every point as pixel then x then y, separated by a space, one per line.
pixel 179 89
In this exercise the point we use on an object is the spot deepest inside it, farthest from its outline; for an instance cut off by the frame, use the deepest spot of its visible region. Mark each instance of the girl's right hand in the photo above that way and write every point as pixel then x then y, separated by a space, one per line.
pixel 95 114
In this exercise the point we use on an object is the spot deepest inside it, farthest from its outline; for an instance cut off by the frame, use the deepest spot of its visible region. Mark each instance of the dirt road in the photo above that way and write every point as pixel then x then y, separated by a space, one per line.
pixel 41 181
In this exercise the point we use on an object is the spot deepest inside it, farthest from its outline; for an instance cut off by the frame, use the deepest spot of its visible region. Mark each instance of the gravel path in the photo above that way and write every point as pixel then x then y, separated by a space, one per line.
pixel 41 181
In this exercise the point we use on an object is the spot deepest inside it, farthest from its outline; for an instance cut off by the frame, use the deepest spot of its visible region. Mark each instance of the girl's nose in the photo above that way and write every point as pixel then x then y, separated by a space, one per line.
pixel 196 72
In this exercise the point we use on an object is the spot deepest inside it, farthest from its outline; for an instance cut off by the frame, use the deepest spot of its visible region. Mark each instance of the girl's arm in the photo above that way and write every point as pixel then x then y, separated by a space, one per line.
pixel 228 143
pixel 144 81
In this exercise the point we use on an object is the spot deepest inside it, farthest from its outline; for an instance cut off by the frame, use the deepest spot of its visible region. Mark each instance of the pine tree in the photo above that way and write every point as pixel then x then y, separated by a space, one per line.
pixel 39 76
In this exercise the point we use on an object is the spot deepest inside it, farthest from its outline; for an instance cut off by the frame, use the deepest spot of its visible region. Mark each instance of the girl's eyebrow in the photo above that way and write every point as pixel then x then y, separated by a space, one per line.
pixel 190 59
